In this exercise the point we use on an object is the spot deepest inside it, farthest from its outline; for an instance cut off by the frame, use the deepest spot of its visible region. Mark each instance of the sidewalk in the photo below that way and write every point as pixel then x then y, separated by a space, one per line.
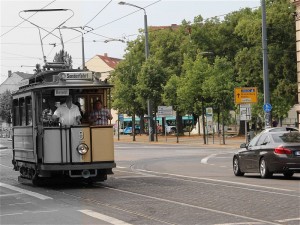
pixel 195 140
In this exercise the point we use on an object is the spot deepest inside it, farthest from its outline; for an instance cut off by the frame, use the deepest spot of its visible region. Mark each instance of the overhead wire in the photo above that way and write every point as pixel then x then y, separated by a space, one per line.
pixel 105 23
pixel 97 13
pixel 25 20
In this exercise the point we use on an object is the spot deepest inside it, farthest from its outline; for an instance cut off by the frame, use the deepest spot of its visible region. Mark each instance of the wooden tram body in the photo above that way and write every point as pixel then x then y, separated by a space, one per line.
pixel 46 149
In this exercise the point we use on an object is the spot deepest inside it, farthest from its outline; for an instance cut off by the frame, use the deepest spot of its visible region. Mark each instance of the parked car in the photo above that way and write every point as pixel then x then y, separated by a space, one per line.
pixel 128 130
pixel 279 129
pixel 268 153
pixel 170 129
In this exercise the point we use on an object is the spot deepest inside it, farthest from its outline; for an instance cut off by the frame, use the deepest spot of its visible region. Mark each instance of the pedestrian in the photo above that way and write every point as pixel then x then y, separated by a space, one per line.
pixel 100 115
pixel 274 123
pixel 68 113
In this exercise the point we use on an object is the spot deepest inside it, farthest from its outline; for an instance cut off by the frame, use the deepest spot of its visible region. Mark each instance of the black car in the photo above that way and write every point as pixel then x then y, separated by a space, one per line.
pixel 268 153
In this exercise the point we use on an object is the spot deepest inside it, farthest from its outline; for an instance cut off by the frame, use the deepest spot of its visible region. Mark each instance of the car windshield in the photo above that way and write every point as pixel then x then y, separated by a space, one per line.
pixel 292 137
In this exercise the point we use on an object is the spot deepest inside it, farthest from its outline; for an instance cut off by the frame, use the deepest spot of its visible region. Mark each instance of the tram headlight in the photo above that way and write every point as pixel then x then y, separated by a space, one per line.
pixel 82 149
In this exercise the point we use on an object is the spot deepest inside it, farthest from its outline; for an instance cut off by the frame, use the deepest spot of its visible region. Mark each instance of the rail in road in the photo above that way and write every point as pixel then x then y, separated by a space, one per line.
pixel 137 194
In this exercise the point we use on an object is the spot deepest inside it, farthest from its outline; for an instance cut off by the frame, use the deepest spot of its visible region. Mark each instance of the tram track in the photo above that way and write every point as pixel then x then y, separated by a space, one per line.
pixel 209 181
pixel 92 198
pixel 143 197
pixel 92 202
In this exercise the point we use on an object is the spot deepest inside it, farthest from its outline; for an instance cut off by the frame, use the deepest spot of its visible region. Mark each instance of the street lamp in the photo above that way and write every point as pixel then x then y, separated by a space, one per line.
pixel 82 42
pixel 265 67
pixel 149 104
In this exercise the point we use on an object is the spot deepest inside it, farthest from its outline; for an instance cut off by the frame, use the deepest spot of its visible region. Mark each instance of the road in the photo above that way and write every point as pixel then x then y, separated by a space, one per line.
pixel 156 184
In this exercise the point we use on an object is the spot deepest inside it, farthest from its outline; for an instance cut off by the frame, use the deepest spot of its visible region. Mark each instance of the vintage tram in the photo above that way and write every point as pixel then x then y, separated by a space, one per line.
pixel 43 148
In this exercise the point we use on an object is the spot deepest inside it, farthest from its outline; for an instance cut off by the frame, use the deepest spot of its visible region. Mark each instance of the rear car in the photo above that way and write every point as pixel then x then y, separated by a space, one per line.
pixel 269 153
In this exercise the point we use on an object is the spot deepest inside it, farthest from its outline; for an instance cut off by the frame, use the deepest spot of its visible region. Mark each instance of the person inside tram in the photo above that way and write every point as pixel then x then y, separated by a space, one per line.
pixel 67 113
pixel 100 115
pixel 48 111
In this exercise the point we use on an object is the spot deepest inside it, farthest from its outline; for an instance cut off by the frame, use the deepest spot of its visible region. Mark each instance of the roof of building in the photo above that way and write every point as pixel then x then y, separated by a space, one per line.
pixel 111 62
pixel 172 27
pixel 24 75
pixel 12 81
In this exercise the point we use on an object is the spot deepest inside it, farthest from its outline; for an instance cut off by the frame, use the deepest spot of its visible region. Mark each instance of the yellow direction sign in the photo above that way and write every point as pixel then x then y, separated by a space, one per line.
pixel 245 95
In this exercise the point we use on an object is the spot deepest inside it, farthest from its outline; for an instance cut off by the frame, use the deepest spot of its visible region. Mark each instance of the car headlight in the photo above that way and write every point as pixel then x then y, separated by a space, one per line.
pixel 82 149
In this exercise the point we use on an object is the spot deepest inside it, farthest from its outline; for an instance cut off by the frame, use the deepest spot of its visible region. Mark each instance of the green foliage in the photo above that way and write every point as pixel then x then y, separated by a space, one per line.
pixel 151 80
pixel 190 91
pixel 181 74
pixel 63 56
pixel 6 106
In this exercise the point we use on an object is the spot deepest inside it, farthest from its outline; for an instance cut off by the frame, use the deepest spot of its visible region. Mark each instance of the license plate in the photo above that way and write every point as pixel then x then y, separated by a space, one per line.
pixel 297 153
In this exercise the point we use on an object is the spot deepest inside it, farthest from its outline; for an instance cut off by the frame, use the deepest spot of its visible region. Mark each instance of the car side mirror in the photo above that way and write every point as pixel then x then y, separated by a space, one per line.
pixel 244 145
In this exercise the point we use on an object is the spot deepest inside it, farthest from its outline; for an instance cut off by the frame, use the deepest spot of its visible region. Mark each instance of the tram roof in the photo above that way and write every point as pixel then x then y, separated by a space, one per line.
pixel 63 78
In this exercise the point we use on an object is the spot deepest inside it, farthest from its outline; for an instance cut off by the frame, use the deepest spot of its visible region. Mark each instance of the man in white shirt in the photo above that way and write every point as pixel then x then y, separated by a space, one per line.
pixel 68 113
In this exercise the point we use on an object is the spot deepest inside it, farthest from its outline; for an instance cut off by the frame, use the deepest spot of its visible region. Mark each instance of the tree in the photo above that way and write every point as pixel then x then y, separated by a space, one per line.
pixel 281 55
pixel 125 97
pixel 6 106
pixel 218 88
pixel 63 56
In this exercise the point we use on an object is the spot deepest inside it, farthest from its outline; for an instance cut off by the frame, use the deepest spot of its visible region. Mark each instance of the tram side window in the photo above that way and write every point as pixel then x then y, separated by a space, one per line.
pixel 16 113
pixel 22 112
pixel 28 111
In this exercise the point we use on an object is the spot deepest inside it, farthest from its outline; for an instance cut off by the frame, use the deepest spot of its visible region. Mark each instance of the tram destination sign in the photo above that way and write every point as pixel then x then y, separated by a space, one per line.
pixel 61 92
pixel 76 75
pixel 245 95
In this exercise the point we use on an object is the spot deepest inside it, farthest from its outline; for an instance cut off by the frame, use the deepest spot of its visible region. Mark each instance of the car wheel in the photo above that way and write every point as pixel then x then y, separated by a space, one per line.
pixel 173 131
pixel 288 174
pixel 236 167
pixel 264 170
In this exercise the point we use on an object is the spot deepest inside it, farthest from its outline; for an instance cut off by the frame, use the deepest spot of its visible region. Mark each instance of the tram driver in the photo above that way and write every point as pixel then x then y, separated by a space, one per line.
pixel 68 113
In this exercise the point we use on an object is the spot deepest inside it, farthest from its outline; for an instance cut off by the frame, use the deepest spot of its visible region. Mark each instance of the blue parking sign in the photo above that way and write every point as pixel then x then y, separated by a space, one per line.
pixel 267 107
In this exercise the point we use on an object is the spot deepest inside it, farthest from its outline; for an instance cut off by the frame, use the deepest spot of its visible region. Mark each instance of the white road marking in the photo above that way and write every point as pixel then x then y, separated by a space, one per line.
pixel 204 160
pixel 33 194
pixel 13 214
pixel 104 217
pixel 191 206
pixel 287 220
pixel 13 194
pixel 20 203
pixel 240 223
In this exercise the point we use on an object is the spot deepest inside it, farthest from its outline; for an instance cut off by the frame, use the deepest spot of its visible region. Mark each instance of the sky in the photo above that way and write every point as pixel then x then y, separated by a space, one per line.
pixel 103 20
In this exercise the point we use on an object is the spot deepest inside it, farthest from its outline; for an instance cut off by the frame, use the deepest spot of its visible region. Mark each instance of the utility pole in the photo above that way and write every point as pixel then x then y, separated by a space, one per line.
pixel 149 102
pixel 265 67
